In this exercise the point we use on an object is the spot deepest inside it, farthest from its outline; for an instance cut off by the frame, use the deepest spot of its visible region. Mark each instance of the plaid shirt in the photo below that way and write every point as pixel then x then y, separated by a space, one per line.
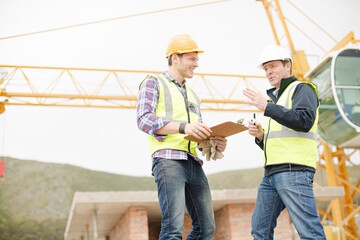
pixel 149 123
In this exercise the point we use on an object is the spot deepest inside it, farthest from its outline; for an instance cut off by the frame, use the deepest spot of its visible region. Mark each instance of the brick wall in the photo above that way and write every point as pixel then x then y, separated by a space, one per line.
pixel 283 227
pixel 133 225
pixel 187 226
pixel 233 222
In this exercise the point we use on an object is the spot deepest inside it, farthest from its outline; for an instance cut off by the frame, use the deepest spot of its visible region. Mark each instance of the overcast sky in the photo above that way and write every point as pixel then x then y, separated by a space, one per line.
pixel 232 34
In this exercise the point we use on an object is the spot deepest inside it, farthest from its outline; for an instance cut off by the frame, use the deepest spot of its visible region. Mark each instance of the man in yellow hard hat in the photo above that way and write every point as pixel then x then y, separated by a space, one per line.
pixel 289 141
pixel 166 110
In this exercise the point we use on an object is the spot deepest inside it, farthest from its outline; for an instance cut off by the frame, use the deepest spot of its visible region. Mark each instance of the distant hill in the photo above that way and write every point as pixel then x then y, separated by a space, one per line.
pixel 39 192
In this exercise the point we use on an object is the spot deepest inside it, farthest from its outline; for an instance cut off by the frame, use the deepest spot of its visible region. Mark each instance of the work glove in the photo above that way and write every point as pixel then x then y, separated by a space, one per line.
pixel 208 149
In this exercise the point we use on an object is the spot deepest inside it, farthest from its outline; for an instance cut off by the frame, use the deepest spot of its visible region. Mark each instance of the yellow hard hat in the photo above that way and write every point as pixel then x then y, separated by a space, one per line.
pixel 182 44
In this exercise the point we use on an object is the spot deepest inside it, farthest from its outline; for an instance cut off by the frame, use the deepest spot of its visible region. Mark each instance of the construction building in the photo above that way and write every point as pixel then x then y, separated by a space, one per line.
pixel 136 215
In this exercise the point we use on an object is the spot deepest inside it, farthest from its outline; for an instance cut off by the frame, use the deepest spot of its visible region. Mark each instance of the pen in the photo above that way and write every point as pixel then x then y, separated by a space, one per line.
pixel 207 129
pixel 254 119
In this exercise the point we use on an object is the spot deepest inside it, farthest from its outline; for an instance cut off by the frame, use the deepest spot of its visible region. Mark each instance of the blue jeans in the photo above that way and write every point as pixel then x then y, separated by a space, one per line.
pixel 180 184
pixel 291 190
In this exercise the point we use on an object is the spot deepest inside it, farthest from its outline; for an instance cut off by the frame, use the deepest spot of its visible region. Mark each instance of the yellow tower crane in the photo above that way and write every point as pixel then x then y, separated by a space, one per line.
pixel 107 88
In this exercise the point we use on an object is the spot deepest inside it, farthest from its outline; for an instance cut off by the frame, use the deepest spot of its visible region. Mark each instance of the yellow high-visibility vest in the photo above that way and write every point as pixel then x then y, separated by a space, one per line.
pixel 284 145
pixel 172 106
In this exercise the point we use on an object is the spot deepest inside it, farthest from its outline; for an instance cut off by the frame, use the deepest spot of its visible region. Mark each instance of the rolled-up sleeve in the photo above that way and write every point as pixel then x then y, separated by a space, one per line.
pixel 147 101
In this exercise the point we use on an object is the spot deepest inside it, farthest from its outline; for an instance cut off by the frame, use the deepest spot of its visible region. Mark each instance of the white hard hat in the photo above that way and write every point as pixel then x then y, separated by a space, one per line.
pixel 273 53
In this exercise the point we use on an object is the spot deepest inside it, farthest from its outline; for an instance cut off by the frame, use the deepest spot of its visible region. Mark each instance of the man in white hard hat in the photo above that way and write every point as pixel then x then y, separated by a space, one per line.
pixel 166 110
pixel 289 142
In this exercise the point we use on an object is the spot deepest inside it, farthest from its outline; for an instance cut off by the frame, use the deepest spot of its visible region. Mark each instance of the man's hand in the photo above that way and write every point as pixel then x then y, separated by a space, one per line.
pixel 256 98
pixel 213 148
pixel 255 129
pixel 198 130
pixel 220 143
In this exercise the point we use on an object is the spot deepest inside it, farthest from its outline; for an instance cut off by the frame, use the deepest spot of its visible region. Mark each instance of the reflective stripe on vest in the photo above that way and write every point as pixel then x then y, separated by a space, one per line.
pixel 171 105
pixel 280 139
pixel 168 97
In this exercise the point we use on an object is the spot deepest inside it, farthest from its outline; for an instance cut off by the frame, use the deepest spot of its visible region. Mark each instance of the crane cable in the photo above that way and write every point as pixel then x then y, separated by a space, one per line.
pixel 306 35
pixel 114 19
pixel 317 25
pixel 3 136
pixel 299 29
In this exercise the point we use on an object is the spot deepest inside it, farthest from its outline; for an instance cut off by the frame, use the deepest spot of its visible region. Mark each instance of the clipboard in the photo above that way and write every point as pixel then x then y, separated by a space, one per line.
pixel 224 129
